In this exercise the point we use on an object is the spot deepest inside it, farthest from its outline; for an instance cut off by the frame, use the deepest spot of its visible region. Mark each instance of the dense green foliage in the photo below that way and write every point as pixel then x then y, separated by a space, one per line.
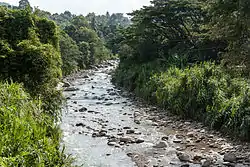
pixel 36 49
pixel 166 57
pixel 70 53
pixel 30 55
pixel 28 135
pixel 94 36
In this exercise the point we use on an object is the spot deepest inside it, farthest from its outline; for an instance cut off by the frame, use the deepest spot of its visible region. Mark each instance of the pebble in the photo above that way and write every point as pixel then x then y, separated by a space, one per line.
pixel 161 144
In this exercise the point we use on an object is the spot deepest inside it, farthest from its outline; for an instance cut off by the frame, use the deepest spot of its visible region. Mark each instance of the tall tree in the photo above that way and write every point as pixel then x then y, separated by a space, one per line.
pixel 24 4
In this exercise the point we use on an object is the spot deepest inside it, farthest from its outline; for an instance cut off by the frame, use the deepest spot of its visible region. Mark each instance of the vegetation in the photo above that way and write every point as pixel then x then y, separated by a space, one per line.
pixel 28 135
pixel 192 58
pixel 36 50
pixel 94 36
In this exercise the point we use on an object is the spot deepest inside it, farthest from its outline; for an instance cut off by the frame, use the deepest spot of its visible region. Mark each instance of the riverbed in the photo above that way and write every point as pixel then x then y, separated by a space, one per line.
pixel 104 126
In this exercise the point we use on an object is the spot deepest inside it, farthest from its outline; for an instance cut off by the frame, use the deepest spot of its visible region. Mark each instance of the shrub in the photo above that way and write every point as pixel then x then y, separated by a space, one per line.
pixel 28 135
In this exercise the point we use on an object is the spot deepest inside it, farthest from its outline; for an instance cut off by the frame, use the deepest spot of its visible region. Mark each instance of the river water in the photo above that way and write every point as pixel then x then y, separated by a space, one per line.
pixel 97 106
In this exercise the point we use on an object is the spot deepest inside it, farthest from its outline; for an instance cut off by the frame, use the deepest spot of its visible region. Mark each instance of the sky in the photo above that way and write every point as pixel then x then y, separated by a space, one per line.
pixel 86 6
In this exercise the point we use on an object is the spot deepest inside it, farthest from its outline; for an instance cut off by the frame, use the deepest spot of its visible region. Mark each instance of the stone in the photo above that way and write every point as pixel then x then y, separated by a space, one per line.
pixel 85 76
pixel 94 135
pixel 112 93
pixel 66 84
pixel 120 134
pixel 101 134
pixel 190 134
pixel 109 104
pixel 111 143
pixel 197 157
pixel 83 109
pixel 80 124
pixel 129 154
pixel 177 141
pixel 71 89
pixel 183 157
pixel 154 124
pixel 203 131
pixel 161 144
pixel 137 122
pixel 130 131
pixel 229 157
pixel 125 139
pixel 91 111
pixel 138 141
pixel 229 164
pixel 206 163
pixel 126 127
pixel 185 165
pixel 190 144
pixel 164 138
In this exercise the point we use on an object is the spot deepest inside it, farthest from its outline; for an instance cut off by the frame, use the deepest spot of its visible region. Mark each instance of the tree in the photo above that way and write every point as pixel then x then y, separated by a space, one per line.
pixel 230 21
pixel 30 54
pixel 70 54
pixel 23 4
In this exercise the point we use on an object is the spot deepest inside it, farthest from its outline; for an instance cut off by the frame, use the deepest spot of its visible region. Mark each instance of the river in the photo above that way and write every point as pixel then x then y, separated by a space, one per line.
pixel 105 127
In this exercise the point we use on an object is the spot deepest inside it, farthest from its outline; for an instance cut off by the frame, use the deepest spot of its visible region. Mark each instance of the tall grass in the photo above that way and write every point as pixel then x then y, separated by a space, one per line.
pixel 28 135
pixel 204 92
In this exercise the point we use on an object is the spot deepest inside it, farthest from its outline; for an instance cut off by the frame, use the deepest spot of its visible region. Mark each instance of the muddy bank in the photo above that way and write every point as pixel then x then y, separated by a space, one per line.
pixel 104 126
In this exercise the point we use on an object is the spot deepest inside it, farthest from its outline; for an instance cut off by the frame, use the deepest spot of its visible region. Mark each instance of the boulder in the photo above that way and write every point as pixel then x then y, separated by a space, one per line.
pixel 229 157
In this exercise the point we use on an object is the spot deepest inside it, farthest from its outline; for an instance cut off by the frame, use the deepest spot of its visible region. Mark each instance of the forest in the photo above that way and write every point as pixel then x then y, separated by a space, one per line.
pixel 190 57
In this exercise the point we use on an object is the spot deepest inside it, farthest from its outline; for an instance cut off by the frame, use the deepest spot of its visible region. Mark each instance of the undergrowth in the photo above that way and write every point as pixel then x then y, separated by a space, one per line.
pixel 29 136
pixel 204 92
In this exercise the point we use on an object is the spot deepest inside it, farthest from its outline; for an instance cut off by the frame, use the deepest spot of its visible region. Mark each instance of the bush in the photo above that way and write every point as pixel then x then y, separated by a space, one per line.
pixel 204 92
pixel 28 135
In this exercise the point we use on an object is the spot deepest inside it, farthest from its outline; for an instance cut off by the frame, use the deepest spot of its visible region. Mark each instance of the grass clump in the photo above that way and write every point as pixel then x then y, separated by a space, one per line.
pixel 29 136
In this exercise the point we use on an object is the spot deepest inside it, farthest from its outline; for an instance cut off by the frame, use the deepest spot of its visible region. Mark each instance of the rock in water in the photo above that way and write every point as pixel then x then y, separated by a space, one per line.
pixel 130 131
pixel 83 109
pixel 138 141
pixel 206 163
pixel 183 157
pixel 229 157
pixel 161 144
pixel 71 89
pixel 66 84
pixel 80 124
pixel 125 139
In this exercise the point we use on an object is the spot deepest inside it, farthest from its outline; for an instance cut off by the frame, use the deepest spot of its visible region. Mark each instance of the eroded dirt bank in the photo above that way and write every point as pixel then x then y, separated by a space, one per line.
pixel 104 126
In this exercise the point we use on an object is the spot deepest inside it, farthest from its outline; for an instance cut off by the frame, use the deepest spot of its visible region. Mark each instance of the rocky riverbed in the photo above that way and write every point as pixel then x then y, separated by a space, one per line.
pixel 106 127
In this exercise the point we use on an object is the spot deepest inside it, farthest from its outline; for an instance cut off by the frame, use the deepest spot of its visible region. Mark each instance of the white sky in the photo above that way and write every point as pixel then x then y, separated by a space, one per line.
pixel 86 6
